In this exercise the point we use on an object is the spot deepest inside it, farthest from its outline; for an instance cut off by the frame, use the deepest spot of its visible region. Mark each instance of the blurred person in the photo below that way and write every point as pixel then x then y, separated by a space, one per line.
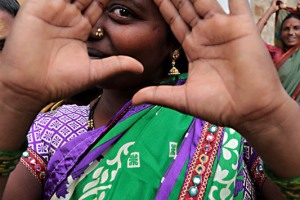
pixel 285 53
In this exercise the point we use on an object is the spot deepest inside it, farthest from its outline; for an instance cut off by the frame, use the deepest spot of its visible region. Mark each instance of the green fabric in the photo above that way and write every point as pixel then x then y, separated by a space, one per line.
pixel 138 154
pixel 226 171
pixel 289 74
pixel 134 166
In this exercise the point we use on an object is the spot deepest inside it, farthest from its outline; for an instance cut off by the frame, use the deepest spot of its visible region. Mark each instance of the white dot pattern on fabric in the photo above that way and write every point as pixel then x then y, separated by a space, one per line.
pixel 53 129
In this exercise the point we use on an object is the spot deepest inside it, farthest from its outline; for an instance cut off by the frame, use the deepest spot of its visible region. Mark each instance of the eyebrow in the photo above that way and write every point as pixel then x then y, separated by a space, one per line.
pixel 136 3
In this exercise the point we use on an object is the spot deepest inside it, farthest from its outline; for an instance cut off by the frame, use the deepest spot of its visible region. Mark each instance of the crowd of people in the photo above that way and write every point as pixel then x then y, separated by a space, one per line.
pixel 191 104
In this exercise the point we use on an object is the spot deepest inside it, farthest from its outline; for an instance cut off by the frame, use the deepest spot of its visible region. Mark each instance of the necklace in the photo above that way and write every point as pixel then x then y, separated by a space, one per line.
pixel 91 124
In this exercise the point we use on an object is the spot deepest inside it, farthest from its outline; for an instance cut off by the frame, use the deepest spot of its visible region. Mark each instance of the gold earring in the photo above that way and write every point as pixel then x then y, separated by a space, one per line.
pixel 99 33
pixel 174 71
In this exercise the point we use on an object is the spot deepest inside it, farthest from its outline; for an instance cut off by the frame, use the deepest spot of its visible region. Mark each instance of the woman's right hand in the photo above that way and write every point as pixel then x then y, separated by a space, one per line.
pixel 45 58
pixel 276 5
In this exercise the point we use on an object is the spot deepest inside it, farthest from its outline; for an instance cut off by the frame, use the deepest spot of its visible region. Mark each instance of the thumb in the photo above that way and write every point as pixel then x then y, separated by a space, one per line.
pixel 168 96
pixel 103 68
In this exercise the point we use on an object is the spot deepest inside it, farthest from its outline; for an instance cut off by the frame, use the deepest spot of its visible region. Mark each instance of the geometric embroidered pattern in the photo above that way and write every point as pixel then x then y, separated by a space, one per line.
pixel 134 160
pixel 53 129
pixel 248 185
pixel 172 149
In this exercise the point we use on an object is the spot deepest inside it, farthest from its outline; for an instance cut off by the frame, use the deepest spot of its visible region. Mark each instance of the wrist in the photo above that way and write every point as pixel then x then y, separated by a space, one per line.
pixel 17 115
pixel 15 102
pixel 275 136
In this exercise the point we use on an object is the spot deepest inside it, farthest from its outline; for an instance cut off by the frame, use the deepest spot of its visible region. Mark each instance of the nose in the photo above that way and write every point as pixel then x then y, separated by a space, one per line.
pixel 291 31
pixel 97 33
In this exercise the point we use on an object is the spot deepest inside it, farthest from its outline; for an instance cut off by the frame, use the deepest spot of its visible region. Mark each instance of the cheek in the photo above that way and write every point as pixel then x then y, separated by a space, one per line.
pixel 298 34
pixel 146 45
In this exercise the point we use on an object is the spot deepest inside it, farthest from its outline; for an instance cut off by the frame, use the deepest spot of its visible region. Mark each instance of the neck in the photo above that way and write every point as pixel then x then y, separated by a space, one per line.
pixel 110 103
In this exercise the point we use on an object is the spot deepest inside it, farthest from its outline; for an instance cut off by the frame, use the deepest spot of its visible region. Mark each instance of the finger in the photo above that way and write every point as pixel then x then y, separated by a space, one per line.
pixel 93 12
pixel 206 8
pixel 187 12
pixel 103 68
pixel 239 7
pixel 82 4
pixel 168 96
pixel 169 12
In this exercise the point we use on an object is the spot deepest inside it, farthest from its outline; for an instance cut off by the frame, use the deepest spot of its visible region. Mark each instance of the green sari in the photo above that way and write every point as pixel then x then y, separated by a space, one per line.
pixel 151 152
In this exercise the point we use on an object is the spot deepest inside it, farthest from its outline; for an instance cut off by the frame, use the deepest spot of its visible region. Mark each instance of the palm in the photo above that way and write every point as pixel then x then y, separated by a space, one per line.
pixel 225 76
pixel 56 63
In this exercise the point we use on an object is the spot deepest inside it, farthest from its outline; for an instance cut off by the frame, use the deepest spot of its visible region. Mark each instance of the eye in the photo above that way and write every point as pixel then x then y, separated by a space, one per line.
pixel 285 29
pixel 121 12
pixel 297 27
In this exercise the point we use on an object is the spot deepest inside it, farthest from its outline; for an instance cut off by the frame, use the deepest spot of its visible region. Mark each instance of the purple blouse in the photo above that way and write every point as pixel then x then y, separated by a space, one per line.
pixel 53 129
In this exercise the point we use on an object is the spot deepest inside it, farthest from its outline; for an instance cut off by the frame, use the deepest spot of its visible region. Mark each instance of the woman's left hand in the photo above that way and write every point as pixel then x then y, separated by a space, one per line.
pixel 231 75
pixel 232 80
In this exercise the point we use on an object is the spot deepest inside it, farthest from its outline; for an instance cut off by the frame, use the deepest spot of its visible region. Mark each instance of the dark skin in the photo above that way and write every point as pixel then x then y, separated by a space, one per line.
pixel 220 54
pixel 290 32
pixel 140 24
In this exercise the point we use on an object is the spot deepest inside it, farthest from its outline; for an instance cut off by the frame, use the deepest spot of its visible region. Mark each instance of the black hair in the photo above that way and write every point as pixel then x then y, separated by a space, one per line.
pixel 10 6
pixel 289 16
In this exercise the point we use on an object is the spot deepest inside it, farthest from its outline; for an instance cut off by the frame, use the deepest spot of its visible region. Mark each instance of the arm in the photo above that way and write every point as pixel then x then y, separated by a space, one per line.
pixel 22 183
pixel 12 135
pixel 31 75
pixel 266 16
pixel 245 93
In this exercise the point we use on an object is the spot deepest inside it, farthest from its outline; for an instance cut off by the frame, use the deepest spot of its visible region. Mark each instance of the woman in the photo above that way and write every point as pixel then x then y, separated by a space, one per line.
pixel 287 41
pixel 144 151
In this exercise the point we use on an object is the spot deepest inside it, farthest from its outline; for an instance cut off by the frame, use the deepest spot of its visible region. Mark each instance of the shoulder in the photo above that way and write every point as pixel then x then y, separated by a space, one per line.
pixel 53 129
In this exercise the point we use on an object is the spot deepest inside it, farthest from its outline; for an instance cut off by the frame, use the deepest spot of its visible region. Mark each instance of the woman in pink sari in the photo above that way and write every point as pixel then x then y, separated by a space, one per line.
pixel 286 49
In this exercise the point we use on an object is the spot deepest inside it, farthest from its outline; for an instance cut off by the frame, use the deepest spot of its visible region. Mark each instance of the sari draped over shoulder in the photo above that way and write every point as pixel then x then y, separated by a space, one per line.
pixel 153 152
pixel 288 63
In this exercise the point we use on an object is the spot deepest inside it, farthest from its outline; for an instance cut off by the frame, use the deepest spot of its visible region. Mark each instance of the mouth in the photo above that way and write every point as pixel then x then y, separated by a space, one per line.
pixel 291 38
pixel 96 54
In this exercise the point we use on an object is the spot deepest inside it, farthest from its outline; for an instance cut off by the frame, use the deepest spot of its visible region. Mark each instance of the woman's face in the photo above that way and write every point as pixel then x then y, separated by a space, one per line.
pixel 290 32
pixel 134 28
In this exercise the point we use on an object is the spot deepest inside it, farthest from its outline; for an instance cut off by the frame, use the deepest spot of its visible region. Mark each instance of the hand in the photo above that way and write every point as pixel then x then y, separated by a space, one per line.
pixel 276 5
pixel 232 80
pixel 45 57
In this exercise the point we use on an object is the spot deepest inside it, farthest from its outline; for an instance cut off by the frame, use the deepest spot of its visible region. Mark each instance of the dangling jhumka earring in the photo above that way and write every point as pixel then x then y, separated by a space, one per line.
pixel 174 71
pixel 99 33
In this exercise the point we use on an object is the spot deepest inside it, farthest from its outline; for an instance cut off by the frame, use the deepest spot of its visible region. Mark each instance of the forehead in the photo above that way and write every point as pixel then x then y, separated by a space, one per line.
pixel 291 22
